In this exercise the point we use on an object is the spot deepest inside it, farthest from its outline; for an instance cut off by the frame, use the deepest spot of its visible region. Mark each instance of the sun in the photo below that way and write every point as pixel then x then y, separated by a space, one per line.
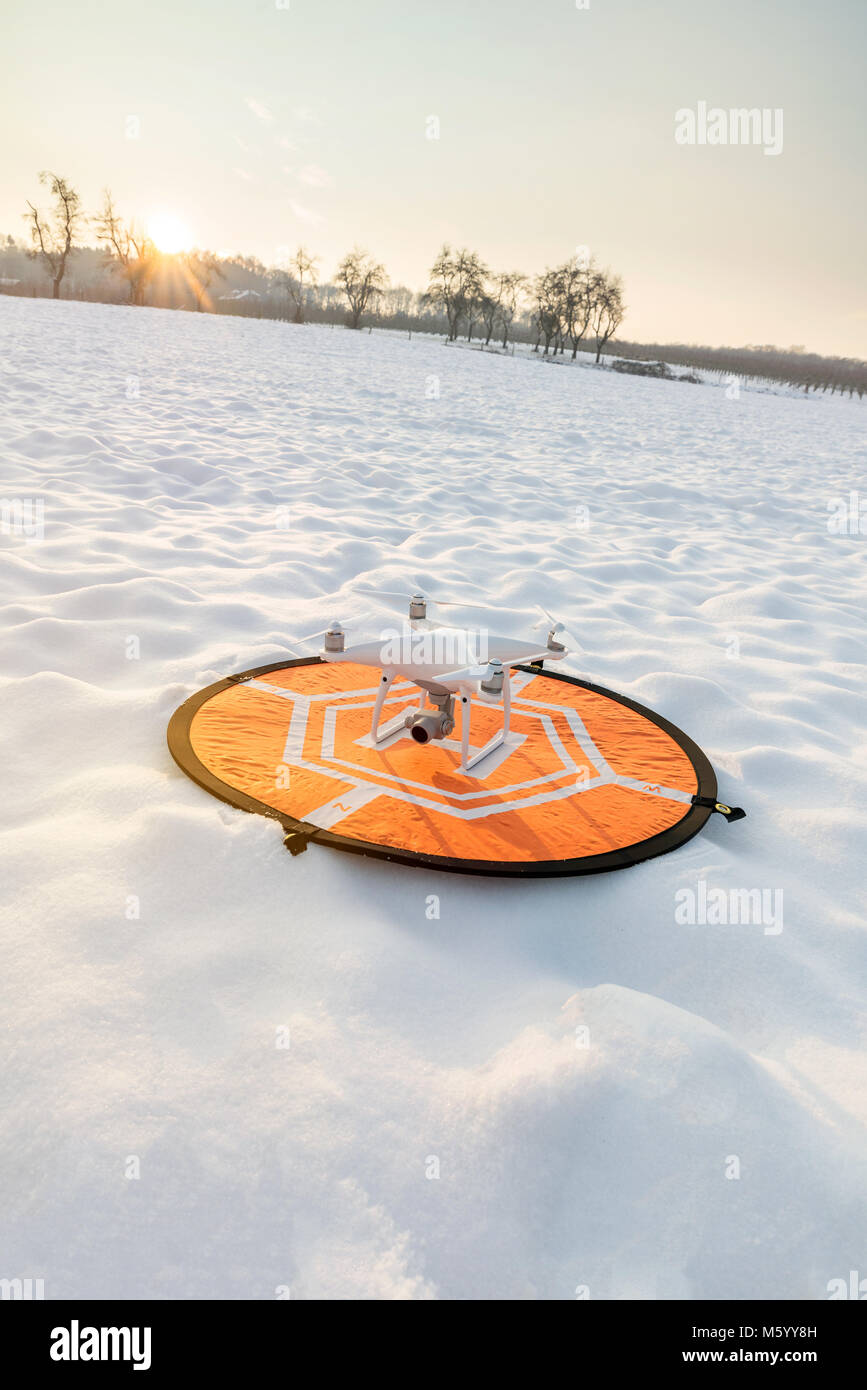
pixel 168 233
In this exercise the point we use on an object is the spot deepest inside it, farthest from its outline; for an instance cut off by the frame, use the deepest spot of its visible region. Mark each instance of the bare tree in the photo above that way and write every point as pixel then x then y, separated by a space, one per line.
pixel 135 253
pixel 53 233
pixel 609 310
pixel 489 308
pixel 580 285
pixel 441 290
pixel 362 280
pixel 548 314
pixel 499 303
pixel 457 286
pixel 510 287
pixel 298 279
pixel 471 274
pixel 202 268
pixel 474 303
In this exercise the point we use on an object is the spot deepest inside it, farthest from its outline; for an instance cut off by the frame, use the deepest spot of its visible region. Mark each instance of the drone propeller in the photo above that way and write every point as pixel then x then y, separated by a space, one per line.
pixel 555 627
pixel 336 625
pixel 420 593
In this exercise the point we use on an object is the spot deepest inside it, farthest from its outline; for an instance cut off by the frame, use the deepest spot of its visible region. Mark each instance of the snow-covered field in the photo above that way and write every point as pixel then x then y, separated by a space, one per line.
pixel 212 485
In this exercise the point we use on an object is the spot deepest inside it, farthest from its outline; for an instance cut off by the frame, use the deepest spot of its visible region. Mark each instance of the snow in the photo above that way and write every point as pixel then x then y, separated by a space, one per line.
pixel 583 1069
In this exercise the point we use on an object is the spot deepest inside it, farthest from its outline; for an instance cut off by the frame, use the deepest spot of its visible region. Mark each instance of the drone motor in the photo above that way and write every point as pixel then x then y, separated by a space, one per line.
pixel 417 607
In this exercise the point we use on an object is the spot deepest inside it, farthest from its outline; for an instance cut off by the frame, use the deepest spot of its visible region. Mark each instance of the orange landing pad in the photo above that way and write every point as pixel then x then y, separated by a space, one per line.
pixel 587 781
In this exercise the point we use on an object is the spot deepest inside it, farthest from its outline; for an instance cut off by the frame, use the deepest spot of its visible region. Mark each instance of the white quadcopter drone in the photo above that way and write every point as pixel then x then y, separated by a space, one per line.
pixel 423 653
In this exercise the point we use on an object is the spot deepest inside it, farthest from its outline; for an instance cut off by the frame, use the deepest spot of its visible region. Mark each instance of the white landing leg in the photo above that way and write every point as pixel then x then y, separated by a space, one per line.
pixel 465 730
pixel 378 734
pixel 497 741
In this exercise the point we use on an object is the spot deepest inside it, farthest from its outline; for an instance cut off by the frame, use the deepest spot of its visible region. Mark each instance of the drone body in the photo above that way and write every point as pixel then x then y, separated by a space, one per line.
pixel 425 654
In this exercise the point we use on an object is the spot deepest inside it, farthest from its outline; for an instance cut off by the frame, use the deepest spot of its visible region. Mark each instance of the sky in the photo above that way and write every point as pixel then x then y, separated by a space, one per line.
pixel 263 124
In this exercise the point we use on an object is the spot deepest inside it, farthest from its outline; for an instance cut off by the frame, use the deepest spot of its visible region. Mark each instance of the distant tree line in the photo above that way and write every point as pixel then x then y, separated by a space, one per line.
pixel 563 305
pixel 56 234
pixel 574 307
pixel 808 371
